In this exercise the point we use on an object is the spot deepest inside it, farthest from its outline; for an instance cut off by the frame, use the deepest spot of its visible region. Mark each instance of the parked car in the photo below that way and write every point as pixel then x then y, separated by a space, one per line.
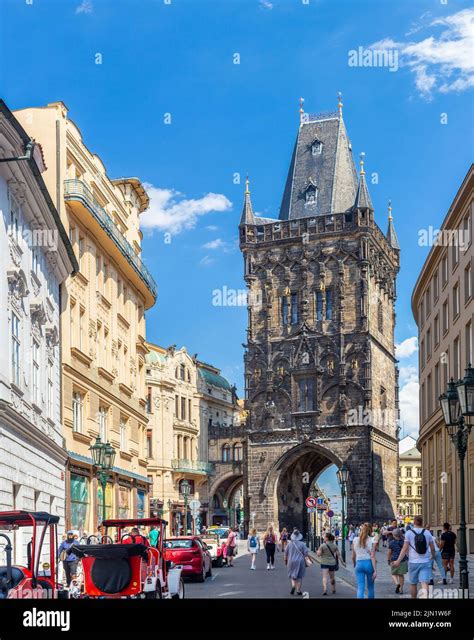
pixel 215 546
pixel 192 554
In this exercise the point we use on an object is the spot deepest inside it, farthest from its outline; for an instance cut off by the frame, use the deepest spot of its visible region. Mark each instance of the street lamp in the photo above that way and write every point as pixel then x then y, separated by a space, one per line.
pixel 103 456
pixel 342 477
pixel 457 405
pixel 185 491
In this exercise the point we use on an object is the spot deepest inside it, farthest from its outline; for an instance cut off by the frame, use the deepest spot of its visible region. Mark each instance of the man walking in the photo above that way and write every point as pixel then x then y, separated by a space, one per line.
pixel 68 558
pixel 419 544
pixel 448 549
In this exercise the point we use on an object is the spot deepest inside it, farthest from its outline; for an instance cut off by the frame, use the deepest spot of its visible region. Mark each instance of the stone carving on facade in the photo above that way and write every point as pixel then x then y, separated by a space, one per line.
pixel 18 284
pixel 37 313
pixel 52 336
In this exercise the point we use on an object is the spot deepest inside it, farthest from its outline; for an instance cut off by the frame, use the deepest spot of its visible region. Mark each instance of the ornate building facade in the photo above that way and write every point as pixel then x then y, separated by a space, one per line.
pixel 102 321
pixel 410 485
pixel 35 258
pixel 320 371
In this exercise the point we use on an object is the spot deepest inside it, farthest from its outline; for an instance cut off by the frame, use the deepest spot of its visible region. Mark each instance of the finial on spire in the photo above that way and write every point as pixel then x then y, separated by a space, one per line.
pixel 247 182
pixel 361 162
pixel 301 109
pixel 390 210
pixel 339 102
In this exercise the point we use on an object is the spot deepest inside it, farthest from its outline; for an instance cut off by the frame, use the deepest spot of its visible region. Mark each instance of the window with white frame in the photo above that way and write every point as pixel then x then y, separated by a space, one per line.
pixel 14 220
pixel 82 330
pixel 35 353
pixel 467 283
pixel 77 411
pixel 123 434
pixel 102 420
pixel 456 306
pixel 15 347
pixel 50 389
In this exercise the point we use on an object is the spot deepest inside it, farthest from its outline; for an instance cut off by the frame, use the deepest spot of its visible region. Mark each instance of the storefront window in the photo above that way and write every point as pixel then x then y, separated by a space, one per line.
pixel 109 501
pixel 79 502
pixel 141 504
pixel 123 502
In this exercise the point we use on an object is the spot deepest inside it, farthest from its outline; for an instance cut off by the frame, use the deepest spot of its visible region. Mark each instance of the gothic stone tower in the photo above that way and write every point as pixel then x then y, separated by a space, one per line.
pixel 320 371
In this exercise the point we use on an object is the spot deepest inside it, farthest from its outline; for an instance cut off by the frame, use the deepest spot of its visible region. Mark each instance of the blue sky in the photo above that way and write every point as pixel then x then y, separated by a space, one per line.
pixel 226 119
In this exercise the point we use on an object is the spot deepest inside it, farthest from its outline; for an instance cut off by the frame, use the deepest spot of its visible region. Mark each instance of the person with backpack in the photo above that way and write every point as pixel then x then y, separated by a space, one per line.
pixel 269 544
pixel 419 545
pixel 330 558
pixel 253 546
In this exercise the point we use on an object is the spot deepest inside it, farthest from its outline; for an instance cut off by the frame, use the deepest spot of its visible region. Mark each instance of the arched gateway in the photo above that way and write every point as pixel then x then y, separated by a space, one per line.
pixel 320 371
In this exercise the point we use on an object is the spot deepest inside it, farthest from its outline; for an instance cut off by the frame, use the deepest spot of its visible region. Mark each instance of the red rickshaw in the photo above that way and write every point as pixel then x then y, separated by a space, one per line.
pixel 120 567
pixel 30 580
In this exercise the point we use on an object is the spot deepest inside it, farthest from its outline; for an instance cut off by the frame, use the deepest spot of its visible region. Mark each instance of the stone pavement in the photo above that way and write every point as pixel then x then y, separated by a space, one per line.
pixel 384 586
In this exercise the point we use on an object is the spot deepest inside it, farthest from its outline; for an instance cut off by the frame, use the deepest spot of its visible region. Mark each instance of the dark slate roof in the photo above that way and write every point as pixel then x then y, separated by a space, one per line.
pixel 332 171
pixel 391 235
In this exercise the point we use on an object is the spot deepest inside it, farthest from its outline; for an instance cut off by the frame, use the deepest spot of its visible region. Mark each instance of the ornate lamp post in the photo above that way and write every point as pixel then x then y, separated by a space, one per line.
pixel 103 456
pixel 313 492
pixel 185 491
pixel 342 476
pixel 170 512
pixel 457 405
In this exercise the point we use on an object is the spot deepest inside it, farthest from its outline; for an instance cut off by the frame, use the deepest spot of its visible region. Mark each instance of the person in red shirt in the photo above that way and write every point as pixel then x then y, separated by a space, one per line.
pixel 135 537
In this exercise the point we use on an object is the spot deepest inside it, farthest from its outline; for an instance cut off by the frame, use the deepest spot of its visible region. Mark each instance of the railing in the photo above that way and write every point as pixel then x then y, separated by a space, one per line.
pixel 78 190
pixel 193 466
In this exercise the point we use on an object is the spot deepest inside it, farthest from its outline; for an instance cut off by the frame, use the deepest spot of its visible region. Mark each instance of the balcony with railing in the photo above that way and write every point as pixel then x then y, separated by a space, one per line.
pixel 192 466
pixel 76 190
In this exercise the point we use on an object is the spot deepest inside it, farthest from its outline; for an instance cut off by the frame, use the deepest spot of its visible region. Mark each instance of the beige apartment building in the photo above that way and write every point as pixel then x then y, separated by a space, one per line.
pixel 410 485
pixel 442 304
pixel 102 320
pixel 186 401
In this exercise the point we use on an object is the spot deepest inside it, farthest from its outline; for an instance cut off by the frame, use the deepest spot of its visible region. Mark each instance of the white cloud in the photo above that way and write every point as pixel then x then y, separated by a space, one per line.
pixel 212 227
pixel 407 348
pixel 409 400
pixel 266 4
pixel 206 261
pixel 85 7
pixel 170 211
pixel 443 61
pixel 218 243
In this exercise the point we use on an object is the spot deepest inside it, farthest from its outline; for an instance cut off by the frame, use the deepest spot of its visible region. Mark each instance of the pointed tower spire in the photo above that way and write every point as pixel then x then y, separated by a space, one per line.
pixel 362 199
pixel 391 234
pixel 247 211
pixel 339 103
pixel 301 110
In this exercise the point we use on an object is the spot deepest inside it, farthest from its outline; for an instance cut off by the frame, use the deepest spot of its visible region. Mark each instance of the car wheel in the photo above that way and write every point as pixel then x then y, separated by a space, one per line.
pixel 154 595
pixel 180 594
pixel 202 576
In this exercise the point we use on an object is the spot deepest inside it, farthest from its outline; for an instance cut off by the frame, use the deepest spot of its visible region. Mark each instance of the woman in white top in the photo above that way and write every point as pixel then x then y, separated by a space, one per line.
pixel 253 546
pixel 365 563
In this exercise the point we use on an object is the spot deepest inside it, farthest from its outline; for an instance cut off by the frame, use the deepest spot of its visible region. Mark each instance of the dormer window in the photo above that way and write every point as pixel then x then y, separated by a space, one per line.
pixel 311 195
pixel 316 147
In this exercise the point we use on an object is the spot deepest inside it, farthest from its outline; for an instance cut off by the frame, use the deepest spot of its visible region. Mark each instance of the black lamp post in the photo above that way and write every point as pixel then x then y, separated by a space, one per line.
pixel 342 476
pixel 103 456
pixel 457 405
pixel 185 491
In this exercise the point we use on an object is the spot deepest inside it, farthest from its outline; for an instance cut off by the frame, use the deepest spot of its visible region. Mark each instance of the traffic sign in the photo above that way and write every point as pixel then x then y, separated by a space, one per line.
pixel 311 501
pixel 194 504
pixel 330 513
pixel 311 509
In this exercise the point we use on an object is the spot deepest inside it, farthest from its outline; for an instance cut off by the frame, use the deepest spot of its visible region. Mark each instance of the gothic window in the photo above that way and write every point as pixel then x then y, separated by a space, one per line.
pixel 306 394
pixel 215 503
pixel 15 346
pixel 238 452
pixel 311 195
pixel 294 308
pixel 316 147
pixel 383 398
pixel 319 305
pixel 380 316
pixel 284 310
pixel 328 304
pixel 226 453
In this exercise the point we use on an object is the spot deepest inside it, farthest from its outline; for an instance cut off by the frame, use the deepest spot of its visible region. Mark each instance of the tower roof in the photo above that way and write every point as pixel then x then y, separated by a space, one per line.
pixel 391 233
pixel 362 199
pixel 322 156
pixel 247 216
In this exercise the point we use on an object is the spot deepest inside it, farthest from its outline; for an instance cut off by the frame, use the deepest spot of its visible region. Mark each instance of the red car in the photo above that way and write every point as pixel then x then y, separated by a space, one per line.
pixel 192 554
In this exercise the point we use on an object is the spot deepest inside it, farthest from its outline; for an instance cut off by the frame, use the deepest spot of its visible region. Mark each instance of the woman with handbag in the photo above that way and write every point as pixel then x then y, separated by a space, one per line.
pixel 297 559
pixel 330 558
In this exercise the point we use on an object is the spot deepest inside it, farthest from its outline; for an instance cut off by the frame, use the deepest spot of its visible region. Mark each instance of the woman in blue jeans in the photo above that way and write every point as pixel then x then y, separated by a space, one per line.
pixel 365 562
